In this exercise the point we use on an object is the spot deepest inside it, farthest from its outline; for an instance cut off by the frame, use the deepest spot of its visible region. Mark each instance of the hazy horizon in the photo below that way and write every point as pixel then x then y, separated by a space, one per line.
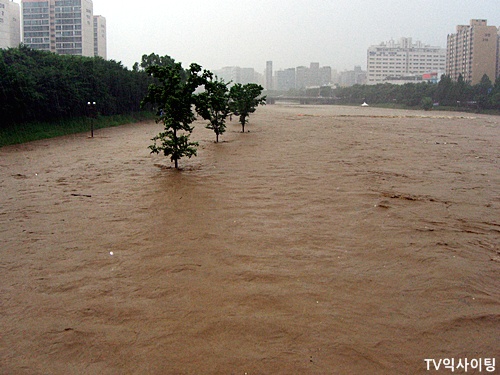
pixel 248 33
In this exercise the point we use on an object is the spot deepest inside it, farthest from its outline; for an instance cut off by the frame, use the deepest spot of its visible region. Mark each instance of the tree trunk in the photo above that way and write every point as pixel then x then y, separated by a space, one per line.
pixel 176 161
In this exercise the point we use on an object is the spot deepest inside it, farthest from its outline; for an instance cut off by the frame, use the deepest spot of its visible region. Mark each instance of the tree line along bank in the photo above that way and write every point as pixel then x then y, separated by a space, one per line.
pixel 38 86
pixel 459 95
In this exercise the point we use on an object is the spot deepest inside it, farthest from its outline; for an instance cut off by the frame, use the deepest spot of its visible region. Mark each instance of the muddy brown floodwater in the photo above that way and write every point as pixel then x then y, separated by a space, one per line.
pixel 327 240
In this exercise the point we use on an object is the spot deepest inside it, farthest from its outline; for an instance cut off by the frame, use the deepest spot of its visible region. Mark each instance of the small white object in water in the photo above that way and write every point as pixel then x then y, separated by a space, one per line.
pixel 110 253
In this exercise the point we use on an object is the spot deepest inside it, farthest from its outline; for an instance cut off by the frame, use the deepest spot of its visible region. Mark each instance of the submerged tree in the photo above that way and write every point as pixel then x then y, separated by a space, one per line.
pixel 213 105
pixel 245 100
pixel 174 97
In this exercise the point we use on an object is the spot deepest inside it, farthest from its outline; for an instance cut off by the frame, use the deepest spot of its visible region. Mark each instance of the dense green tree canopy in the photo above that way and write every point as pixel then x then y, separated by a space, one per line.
pixel 43 86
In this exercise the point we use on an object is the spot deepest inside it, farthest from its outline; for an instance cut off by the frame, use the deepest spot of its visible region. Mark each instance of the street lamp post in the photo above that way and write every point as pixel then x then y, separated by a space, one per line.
pixel 92 114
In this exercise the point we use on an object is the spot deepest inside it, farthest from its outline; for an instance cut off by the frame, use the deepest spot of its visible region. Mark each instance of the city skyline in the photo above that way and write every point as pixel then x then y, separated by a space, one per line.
pixel 247 34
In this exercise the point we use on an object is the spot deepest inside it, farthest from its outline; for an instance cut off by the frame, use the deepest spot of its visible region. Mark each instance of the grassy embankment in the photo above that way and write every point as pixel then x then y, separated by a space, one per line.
pixel 28 132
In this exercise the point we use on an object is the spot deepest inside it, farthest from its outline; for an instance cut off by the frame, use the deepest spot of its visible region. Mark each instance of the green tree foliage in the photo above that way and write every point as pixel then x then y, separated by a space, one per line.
pixel 325 91
pixel 446 92
pixel 213 105
pixel 426 103
pixel 42 86
pixel 411 94
pixel 245 100
pixel 460 91
pixel 442 94
pixel 380 93
pixel 495 95
pixel 174 97
pixel 482 92
pixel 154 59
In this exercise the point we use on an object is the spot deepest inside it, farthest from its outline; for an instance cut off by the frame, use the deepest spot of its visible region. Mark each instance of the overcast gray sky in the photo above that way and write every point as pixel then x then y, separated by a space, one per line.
pixel 247 33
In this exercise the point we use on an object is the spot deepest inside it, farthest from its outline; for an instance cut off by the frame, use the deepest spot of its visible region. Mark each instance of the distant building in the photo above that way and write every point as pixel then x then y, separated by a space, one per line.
pixel 352 77
pixel 313 76
pixel 248 75
pixel 335 77
pixel 303 77
pixel 473 52
pixel 269 75
pixel 285 79
pixel 229 74
pixel 325 76
pixel 65 27
pixel 235 74
pixel 403 58
pixel 10 24
pixel 100 44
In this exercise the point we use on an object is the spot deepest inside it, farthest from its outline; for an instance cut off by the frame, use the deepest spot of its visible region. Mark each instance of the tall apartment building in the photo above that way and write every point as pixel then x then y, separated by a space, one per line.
pixel 403 58
pixel 62 26
pixel 473 52
pixel 100 47
pixel 10 29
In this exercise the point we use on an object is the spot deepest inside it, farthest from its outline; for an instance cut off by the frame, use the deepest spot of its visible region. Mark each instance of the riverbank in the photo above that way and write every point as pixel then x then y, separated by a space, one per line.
pixel 29 132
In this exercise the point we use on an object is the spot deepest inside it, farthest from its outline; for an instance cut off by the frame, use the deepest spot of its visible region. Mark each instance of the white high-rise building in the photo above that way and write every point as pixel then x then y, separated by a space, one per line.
pixel 10 24
pixel 403 58
pixel 62 26
pixel 100 47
